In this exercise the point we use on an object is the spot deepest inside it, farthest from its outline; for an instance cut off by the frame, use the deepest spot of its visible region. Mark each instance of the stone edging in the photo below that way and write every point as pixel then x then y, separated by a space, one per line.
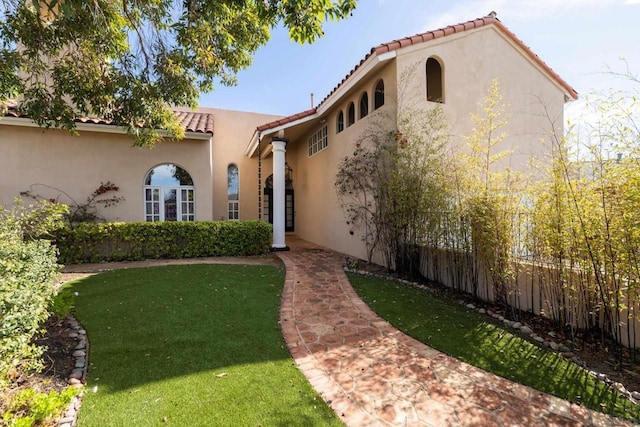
pixel 78 375
pixel 563 350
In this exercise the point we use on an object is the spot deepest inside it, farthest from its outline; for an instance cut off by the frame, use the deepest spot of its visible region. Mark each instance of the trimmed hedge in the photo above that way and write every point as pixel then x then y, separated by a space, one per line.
pixel 119 241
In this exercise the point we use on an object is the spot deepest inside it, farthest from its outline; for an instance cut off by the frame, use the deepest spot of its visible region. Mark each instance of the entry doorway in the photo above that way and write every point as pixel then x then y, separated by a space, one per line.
pixel 289 205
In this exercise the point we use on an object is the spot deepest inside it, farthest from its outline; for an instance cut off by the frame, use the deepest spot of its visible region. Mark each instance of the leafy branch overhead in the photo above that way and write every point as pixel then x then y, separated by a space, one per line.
pixel 128 61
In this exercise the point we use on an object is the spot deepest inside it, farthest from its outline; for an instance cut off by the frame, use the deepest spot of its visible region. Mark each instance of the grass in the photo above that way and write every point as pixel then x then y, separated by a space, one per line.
pixel 196 345
pixel 474 338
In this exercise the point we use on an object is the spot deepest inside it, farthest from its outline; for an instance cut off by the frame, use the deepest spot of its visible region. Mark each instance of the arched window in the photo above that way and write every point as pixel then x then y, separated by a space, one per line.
pixel 233 192
pixel 364 105
pixel 378 95
pixel 434 81
pixel 169 194
pixel 351 114
pixel 340 122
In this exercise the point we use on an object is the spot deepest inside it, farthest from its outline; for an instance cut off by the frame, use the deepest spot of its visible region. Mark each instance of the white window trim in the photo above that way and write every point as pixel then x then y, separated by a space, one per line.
pixel 161 189
pixel 318 141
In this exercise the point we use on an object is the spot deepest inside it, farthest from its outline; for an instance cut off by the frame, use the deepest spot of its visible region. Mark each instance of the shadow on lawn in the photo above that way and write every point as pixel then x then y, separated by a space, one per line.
pixel 530 364
pixel 151 324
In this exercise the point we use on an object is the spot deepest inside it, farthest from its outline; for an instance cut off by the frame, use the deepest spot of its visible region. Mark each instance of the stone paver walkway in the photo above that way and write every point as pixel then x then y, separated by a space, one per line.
pixel 373 375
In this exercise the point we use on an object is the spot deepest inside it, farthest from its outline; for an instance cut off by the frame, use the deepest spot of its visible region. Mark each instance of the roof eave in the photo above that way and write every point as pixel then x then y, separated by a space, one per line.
pixel 258 134
pixel 100 128
pixel 361 72
pixel 372 63
pixel 570 93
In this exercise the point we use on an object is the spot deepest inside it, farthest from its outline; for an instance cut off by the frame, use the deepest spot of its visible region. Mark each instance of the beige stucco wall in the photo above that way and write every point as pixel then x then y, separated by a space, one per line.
pixel 77 165
pixel 470 61
pixel 232 132
pixel 319 216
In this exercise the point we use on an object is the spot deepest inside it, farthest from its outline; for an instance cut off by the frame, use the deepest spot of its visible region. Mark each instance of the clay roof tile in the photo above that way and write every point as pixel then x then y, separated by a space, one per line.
pixel 193 121
pixel 434 34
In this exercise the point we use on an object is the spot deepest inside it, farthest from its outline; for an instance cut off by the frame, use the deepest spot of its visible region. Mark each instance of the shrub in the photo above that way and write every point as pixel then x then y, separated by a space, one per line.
pixel 27 272
pixel 31 407
pixel 86 211
pixel 97 242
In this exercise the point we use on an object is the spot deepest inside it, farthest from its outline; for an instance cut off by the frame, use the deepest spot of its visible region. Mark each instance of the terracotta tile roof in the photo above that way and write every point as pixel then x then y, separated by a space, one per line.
pixel 286 120
pixel 490 19
pixel 453 29
pixel 193 121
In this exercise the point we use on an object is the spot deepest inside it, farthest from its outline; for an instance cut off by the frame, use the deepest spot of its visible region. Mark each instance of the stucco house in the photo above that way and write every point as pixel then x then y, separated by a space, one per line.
pixel 239 165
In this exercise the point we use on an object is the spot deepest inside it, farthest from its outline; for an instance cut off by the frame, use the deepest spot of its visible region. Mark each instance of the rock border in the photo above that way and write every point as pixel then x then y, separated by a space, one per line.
pixel 562 349
pixel 77 378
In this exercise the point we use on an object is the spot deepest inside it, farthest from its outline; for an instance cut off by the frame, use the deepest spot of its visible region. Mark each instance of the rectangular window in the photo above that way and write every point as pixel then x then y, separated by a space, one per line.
pixel 169 204
pixel 234 209
pixel 318 141
pixel 188 206
pixel 152 203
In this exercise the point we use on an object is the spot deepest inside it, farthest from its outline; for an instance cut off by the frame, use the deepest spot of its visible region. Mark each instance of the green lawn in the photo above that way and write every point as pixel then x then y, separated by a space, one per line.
pixel 474 338
pixel 194 345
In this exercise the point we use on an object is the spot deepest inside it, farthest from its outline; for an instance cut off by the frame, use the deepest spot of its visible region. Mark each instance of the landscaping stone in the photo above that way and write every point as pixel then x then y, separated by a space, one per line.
pixel 636 395
pixel 79 353
pixel 471 306
pixel 620 387
pixel 539 339
pixel 526 329
pixel 554 345
pixel 564 348
pixel 482 311
pixel 76 373
pixel 517 325
pixel 80 362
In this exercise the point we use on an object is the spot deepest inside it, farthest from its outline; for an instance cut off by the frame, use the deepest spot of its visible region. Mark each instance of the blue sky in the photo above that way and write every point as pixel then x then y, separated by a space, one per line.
pixel 576 38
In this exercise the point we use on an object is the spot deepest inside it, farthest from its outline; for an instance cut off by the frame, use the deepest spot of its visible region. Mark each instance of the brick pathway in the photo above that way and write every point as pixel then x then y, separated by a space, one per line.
pixel 373 375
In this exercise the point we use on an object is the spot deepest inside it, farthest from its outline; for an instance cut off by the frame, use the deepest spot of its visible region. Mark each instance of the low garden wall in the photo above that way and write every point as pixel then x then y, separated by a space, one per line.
pixel 566 295
pixel 118 241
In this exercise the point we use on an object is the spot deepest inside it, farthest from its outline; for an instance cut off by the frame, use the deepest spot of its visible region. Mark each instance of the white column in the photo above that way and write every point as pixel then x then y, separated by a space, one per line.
pixel 278 150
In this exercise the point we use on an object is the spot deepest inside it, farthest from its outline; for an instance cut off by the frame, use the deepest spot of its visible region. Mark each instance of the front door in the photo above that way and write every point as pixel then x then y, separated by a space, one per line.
pixel 289 205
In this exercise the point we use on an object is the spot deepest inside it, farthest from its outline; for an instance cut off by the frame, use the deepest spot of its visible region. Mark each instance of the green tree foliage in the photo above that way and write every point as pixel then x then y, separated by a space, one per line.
pixel 489 198
pixel 128 61
pixel 586 218
pixel 393 188
pixel 27 272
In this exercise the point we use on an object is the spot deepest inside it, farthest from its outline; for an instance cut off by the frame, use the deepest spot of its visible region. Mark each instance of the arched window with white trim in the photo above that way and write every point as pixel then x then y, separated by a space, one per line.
pixel 169 194
pixel 233 192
